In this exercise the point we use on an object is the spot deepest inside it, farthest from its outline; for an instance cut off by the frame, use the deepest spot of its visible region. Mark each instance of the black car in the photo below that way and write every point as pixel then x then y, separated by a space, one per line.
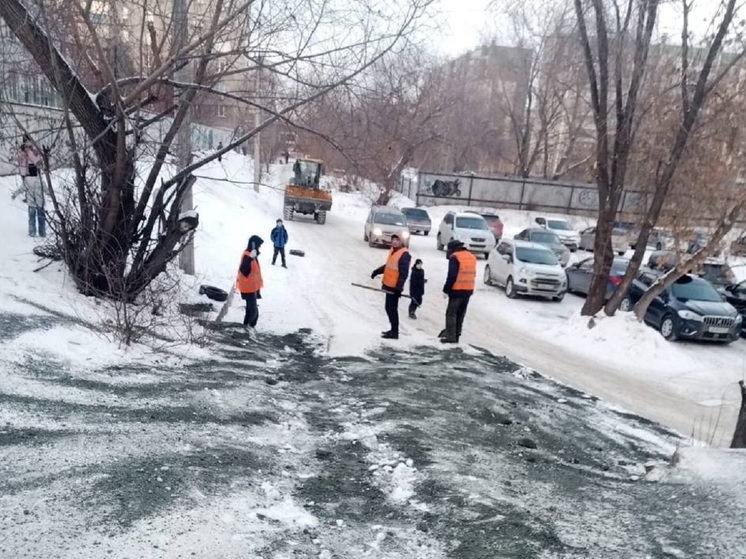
pixel 736 296
pixel 580 274
pixel 690 309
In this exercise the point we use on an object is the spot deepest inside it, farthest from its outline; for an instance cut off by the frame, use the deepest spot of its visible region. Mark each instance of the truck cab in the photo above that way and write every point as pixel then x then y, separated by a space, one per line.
pixel 304 194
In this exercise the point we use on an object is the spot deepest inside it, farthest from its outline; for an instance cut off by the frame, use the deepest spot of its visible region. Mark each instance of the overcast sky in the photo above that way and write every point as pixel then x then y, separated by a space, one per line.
pixel 466 22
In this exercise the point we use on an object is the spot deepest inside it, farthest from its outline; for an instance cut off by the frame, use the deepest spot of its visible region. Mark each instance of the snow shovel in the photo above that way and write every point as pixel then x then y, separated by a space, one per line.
pixel 368 287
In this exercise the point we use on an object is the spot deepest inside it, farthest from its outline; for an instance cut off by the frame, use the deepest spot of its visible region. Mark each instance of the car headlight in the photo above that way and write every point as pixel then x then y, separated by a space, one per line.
pixel 405 234
pixel 524 273
pixel 377 231
pixel 739 319
pixel 689 315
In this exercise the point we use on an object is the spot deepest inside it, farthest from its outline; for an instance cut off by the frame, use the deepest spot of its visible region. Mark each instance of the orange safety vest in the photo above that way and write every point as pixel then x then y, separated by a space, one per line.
pixel 391 271
pixel 467 271
pixel 253 282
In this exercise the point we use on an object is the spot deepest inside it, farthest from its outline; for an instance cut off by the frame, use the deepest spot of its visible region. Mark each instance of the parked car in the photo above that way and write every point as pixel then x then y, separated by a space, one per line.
pixel 562 228
pixel 619 240
pixel 735 294
pixel 418 220
pixel 525 268
pixel 382 223
pixel 580 274
pixel 698 240
pixel 689 309
pixel 470 229
pixel 661 239
pixel 714 270
pixel 547 238
pixel 494 223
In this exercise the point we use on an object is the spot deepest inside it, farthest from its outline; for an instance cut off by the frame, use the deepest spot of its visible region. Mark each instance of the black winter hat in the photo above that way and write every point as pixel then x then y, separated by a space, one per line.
pixel 454 245
pixel 418 261
pixel 255 241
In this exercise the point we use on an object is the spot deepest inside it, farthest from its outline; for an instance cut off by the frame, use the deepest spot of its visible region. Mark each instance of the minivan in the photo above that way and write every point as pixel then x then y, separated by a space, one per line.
pixel 471 229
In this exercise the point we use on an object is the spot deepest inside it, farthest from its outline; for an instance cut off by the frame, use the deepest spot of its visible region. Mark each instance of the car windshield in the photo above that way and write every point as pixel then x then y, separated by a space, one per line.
pixel 545 237
pixel 623 227
pixel 535 256
pixel 470 223
pixel 559 225
pixel 388 218
pixel 619 266
pixel 695 289
pixel 716 274
pixel 417 214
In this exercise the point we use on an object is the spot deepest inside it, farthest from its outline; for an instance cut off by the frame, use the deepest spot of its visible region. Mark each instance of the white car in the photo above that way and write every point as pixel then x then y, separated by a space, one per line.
pixel 471 229
pixel 382 223
pixel 525 268
pixel 562 228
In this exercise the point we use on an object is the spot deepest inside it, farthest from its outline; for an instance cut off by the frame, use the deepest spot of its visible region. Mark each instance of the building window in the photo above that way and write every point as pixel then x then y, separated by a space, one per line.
pixel 222 111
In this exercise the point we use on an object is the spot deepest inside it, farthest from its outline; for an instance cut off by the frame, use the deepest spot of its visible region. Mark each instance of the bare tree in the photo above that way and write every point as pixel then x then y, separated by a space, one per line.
pixel 118 227
pixel 617 40
pixel 378 124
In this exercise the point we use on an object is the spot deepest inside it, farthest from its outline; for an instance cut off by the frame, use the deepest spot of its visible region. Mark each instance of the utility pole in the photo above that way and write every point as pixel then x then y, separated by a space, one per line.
pixel 257 137
pixel 180 32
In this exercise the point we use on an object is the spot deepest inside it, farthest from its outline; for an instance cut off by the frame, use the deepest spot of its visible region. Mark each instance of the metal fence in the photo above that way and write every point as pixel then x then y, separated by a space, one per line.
pixel 431 189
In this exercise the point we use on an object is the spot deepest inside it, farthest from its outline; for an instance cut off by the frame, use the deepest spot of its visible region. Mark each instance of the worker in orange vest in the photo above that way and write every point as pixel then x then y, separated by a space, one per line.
pixel 249 281
pixel 459 286
pixel 395 273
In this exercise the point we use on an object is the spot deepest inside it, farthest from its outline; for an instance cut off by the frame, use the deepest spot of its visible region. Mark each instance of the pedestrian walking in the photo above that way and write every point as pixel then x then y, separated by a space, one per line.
pixel 459 286
pixel 31 187
pixel 416 288
pixel 220 157
pixel 279 238
pixel 249 281
pixel 395 273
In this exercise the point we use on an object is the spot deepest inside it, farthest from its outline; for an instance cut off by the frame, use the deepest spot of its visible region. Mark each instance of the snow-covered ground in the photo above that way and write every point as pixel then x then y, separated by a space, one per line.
pixel 351 446
pixel 681 385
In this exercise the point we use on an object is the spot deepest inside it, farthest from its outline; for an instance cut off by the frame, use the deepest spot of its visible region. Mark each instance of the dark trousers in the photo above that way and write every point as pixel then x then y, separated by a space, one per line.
pixel 392 310
pixel 455 314
pixel 281 252
pixel 252 310
pixel 415 303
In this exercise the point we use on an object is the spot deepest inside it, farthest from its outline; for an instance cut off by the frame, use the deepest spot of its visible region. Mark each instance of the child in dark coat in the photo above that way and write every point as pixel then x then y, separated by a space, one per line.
pixel 416 287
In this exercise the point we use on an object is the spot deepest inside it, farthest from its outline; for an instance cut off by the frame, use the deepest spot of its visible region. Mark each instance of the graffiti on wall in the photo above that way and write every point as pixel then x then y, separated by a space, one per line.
pixel 443 189
pixel 588 198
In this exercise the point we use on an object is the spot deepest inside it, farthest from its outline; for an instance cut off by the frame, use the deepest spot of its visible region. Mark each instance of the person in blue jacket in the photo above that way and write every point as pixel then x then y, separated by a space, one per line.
pixel 279 237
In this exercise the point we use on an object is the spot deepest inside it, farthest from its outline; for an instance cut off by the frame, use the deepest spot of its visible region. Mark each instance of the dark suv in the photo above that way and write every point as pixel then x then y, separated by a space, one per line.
pixel 689 309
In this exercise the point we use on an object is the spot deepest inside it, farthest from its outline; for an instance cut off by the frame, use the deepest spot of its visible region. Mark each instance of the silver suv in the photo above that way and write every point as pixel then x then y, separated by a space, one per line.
pixel 526 268
pixel 471 229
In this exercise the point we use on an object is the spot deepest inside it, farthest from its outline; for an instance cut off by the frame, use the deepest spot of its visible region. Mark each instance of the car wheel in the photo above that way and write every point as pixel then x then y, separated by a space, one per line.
pixel 625 305
pixel 438 243
pixel 621 253
pixel 510 288
pixel 365 236
pixel 558 298
pixel 487 275
pixel 427 233
pixel 569 283
pixel 659 246
pixel 668 328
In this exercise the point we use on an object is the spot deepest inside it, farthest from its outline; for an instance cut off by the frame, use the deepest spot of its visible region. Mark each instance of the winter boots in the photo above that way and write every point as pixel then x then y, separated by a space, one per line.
pixel 390 335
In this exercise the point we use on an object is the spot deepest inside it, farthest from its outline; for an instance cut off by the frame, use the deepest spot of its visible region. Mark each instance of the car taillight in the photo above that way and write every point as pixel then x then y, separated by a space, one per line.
pixel 615 280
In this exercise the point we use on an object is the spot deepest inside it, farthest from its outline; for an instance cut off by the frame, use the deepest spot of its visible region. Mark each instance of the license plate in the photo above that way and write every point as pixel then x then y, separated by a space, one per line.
pixel 716 330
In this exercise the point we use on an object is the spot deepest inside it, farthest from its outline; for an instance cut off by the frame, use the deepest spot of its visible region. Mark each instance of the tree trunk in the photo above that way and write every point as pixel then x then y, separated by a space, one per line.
pixel 602 265
pixel 739 436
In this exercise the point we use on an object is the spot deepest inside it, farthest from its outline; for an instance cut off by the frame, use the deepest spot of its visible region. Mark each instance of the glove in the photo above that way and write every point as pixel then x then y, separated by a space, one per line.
pixel 373 275
pixel 258 294
pixel 13 196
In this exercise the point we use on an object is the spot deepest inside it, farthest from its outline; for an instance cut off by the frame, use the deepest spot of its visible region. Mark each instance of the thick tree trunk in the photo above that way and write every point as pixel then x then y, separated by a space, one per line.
pixel 739 436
